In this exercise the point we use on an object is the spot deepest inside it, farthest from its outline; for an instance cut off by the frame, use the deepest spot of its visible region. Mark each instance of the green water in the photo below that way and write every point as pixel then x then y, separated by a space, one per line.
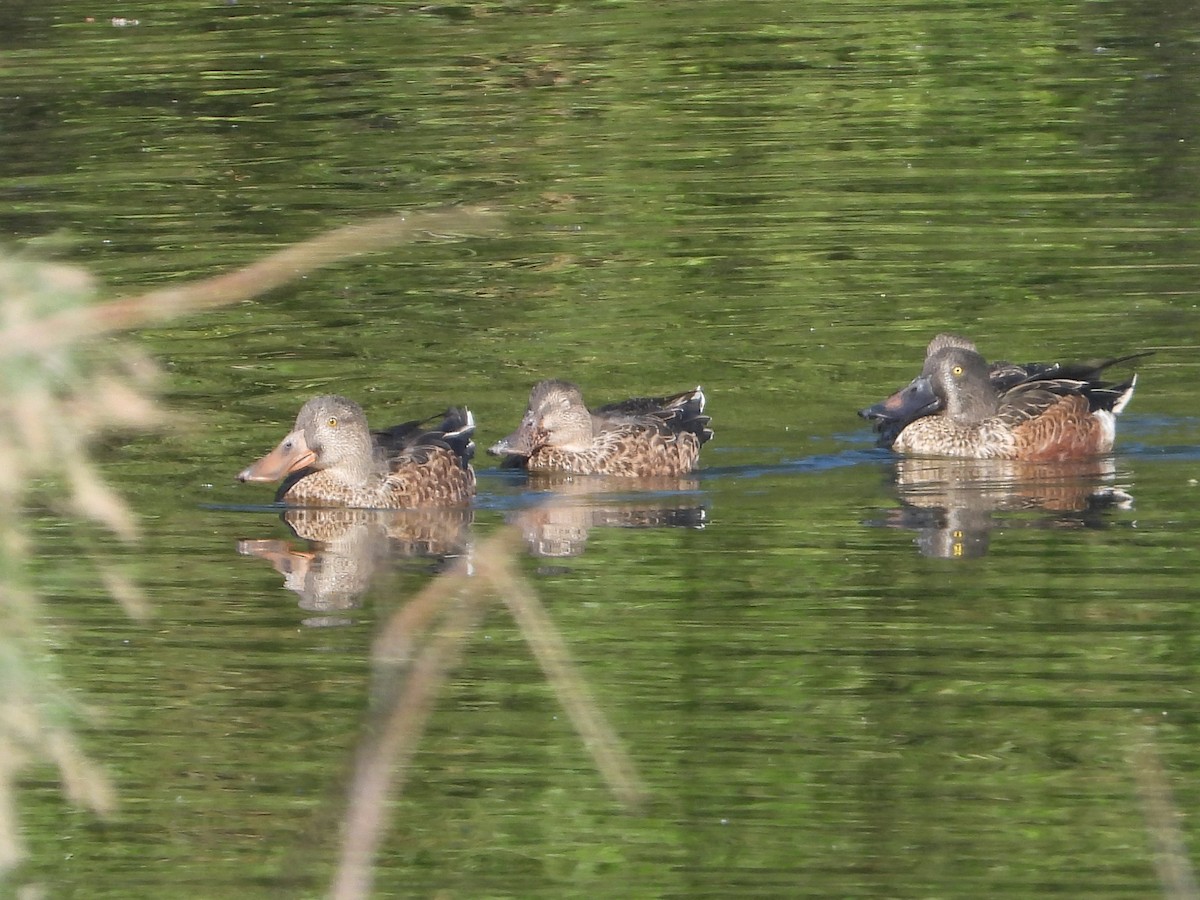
pixel 779 201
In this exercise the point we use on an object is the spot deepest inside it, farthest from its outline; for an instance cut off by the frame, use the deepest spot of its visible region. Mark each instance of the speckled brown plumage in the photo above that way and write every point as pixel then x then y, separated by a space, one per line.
pixel 961 407
pixel 331 458
pixel 643 437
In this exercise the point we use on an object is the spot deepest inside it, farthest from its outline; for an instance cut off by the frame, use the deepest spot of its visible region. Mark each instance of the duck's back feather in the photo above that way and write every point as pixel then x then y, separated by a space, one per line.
pixel 413 442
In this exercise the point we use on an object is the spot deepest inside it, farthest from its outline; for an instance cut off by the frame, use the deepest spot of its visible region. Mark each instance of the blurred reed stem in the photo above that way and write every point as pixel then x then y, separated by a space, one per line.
pixel 410 670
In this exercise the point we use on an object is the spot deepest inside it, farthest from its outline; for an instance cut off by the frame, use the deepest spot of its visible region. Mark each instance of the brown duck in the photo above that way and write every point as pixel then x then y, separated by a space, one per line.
pixel 959 406
pixel 643 437
pixel 331 458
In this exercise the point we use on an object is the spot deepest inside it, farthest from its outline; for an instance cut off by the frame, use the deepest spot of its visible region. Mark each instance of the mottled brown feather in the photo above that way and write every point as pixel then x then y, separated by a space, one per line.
pixel 405 466
pixel 644 437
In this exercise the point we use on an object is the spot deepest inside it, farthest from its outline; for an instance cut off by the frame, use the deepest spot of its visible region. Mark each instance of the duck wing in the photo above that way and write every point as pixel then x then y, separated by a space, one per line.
pixel 415 440
pixel 677 413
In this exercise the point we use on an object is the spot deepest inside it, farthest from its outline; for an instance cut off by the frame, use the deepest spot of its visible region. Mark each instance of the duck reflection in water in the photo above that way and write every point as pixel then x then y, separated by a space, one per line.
pixel 952 503
pixel 567 508
pixel 623 465
pixel 346 549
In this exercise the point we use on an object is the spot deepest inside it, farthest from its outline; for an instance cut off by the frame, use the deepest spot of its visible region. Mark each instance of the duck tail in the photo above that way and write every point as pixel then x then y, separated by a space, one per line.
pixel 689 407
pixel 457 432
pixel 1115 397
pixel 1123 393
pixel 1088 371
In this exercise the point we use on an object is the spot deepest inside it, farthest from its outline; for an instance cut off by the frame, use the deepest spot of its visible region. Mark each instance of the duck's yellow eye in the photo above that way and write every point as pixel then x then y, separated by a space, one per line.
pixel 332 423
pixel 956 371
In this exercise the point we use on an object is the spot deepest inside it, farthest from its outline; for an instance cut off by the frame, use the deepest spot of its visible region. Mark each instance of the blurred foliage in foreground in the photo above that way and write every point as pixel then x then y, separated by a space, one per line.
pixel 60 388
pixel 56 398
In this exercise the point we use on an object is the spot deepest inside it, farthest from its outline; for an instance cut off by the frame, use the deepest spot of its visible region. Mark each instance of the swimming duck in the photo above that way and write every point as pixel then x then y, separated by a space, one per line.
pixel 331 458
pixel 959 406
pixel 642 437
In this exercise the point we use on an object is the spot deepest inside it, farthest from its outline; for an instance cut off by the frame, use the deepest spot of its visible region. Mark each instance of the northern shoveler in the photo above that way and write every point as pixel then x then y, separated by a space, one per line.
pixel 643 437
pixel 959 406
pixel 331 458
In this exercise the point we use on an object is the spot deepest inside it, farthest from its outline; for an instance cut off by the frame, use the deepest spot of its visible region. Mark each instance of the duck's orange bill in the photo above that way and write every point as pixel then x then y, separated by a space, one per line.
pixel 292 455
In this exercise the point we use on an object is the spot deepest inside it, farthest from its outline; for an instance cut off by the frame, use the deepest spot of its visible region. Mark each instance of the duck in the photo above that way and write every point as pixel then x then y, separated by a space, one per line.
pixel 960 406
pixel 643 437
pixel 332 458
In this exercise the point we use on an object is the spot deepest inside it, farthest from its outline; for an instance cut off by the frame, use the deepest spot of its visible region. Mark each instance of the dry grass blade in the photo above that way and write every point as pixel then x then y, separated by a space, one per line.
pixel 124 590
pixel 408 681
pixel 1163 820
pixel 406 696
pixel 279 268
pixel 11 763
pixel 548 646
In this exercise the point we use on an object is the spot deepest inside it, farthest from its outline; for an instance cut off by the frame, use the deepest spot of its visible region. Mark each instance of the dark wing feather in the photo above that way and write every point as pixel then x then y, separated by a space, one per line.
pixel 394 440
pixel 1087 371
pixel 675 414
pixel 636 406
pixel 413 441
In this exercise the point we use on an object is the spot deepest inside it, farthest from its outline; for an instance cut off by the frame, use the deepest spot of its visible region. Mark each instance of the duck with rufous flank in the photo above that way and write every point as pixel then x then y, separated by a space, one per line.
pixel 959 406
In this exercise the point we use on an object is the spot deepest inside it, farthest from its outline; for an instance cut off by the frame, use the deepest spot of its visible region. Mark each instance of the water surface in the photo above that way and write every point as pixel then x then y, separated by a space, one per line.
pixel 832 676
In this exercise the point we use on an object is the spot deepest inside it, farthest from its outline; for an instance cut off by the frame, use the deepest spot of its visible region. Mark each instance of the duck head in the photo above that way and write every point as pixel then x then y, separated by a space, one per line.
pixel 556 417
pixel 330 432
